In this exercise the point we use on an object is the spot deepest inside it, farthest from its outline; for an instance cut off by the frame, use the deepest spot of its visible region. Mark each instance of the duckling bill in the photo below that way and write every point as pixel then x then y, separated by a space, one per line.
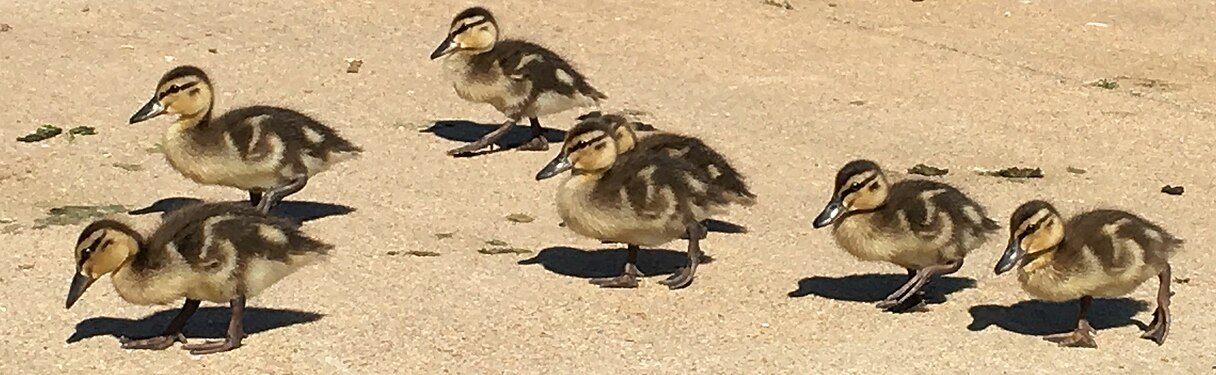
pixel 926 227
pixel 519 78
pixel 1100 253
pixel 217 252
pixel 264 150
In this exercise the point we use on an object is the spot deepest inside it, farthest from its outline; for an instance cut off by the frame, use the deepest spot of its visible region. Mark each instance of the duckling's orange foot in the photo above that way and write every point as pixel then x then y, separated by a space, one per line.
pixel 1082 337
pixel 153 343
pixel 680 279
pixel 214 346
pixel 536 144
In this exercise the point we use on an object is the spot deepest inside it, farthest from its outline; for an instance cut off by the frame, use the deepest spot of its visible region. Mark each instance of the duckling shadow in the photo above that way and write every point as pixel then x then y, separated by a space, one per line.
pixel 297 211
pixel 468 131
pixel 1039 318
pixel 719 226
pixel 875 287
pixel 608 262
pixel 210 322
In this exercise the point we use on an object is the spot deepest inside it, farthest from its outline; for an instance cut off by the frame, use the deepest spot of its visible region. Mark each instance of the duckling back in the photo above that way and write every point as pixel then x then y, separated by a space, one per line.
pixel 523 79
pixel 725 179
pixel 1104 253
pixel 215 251
pixel 923 223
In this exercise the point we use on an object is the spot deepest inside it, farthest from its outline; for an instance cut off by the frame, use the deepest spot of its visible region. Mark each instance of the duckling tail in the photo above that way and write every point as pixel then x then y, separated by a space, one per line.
pixel 990 224
pixel 594 94
pixel 744 198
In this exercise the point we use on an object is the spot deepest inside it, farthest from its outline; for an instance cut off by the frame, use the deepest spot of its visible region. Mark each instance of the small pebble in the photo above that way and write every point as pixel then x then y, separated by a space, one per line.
pixel 1172 190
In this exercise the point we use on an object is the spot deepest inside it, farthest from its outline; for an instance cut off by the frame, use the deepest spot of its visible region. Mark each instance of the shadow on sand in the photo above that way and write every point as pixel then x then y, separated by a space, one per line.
pixel 1039 318
pixel 297 211
pixel 467 131
pixel 209 323
pixel 608 262
pixel 875 287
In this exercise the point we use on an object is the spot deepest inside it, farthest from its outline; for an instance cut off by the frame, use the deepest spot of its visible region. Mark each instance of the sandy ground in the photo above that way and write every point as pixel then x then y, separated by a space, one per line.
pixel 789 95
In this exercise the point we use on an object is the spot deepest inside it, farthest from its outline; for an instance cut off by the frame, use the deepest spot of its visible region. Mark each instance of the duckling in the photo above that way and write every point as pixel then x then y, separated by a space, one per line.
pixel 636 198
pixel 519 78
pixel 260 149
pixel 927 227
pixel 728 180
pixel 1100 253
pixel 217 252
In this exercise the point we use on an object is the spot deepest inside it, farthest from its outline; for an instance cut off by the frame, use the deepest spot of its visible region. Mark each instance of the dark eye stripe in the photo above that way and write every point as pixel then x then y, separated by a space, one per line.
pixel 854 188
pixel 1034 227
pixel 175 89
pixel 580 145
pixel 88 251
pixel 468 26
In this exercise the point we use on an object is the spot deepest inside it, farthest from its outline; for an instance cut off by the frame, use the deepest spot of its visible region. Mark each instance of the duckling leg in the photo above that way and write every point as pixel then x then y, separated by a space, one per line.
pixel 255 197
pixel 1083 336
pixel 683 277
pixel 172 333
pixel 538 141
pixel 236 332
pixel 627 280
pixel 485 141
pixel 918 282
pixel 276 195
pixel 1160 327
pixel 892 300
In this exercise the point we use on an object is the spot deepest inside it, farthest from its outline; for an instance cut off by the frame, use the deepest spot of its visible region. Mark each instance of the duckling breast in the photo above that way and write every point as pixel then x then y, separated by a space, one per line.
pixel 162 287
pixel 480 83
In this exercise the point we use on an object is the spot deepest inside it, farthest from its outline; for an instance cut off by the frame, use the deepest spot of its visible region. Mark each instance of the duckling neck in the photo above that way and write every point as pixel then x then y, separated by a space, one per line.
pixel 589 173
pixel 136 286
pixel 196 121
pixel 861 214
pixel 1039 261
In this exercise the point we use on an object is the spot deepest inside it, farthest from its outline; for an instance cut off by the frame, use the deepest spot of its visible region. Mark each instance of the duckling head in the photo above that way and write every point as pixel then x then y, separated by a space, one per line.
pixel 183 91
pixel 473 31
pixel 860 186
pixel 589 148
pixel 102 248
pixel 1035 228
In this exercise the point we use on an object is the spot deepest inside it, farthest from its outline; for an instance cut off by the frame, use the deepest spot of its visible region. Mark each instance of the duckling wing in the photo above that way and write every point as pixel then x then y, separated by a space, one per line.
pixel 939 213
pixel 546 70
pixel 725 178
pixel 1116 240
pixel 655 186
pixel 216 237
pixel 282 140
pixel 261 132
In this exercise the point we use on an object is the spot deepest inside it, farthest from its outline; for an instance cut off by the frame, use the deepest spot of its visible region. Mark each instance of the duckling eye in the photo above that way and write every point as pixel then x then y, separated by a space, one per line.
pixel 1032 228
